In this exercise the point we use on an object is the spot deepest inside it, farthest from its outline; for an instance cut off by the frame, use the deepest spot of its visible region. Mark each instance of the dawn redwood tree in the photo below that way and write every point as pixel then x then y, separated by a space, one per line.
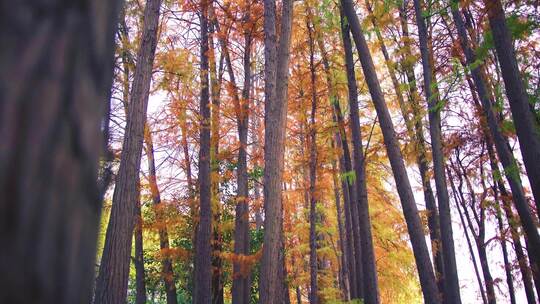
pixel 457 200
pixel 351 183
pixel 527 128
pixel 503 196
pixel 313 217
pixel 347 190
pixel 276 77
pixel 451 292
pixel 421 148
pixel 501 144
pixel 369 270
pixel 56 70
pixel 414 225
pixel 203 252
pixel 344 275
pixel 138 260
pixel 241 280
pixel 112 281
pixel 479 217
pixel 166 264
pixel 215 113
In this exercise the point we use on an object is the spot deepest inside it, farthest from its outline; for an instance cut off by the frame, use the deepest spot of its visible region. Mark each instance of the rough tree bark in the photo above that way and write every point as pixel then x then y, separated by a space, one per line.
pixel 56 64
pixel 203 252
pixel 112 281
pixel 414 225
pixel 275 91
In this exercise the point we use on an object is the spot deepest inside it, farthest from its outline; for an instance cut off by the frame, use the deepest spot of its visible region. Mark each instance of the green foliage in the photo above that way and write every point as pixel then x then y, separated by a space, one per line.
pixel 349 176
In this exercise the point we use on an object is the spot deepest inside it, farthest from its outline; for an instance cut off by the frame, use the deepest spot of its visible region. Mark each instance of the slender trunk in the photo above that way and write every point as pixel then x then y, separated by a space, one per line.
pixel 203 250
pixel 527 128
pixel 354 190
pixel 525 268
pixel 276 83
pixel 215 81
pixel 534 264
pixel 469 243
pixel 508 161
pixel 138 261
pixel 502 195
pixel 343 247
pixel 166 263
pixel 422 158
pixel 343 148
pixel 313 217
pixel 451 281
pixel 506 259
pixel 369 268
pixel 112 281
pixel 241 277
pixel 479 237
pixel 414 225
pixel 282 275
pixel 341 136
pixel 502 236
pixel 187 161
pixel 505 196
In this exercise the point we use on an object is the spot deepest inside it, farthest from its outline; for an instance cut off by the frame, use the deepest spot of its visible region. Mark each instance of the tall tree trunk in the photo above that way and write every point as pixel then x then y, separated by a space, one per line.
pixel 241 278
pixel 55 81
pixel 112 281
pixel 369 269
pixel 502 195
pixel 527 128
pixel 313 217
pixel 166 263
pixel 422 158
pixel 138 261
pixel 284 296
pixel 346 187
pixel 354 190
pixel 215 88
pixel 414 225
pixel 522 260
pixel 534 265
pixel 451 281
pixel 343 247
pixel 341 136
pixel 276 82
pixel 502 234
pixel 469 243
pixel 479 237
pixel 203 252
pixel 506 157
